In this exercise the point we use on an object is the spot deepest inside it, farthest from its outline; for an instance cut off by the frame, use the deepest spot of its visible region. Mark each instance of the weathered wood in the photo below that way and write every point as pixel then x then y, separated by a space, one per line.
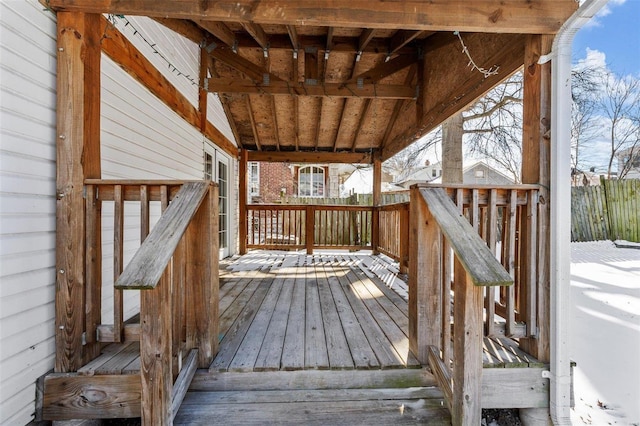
pixel 377 190
pixel 443 375
pixel 293 346
pixel 467 348
pixel 242 201
pixel 78 157
pixel 315 353
pixel 310 214
pixel 118 261
pixel 514 388
pixel 72 396
pixel 201 278
pixel 93 267
pixel 424 279
pixel 472 252
pixel 150 260
pixel 183 381
pixel 310 157
pixel 155 352
pixel 107 333
pixel 513 16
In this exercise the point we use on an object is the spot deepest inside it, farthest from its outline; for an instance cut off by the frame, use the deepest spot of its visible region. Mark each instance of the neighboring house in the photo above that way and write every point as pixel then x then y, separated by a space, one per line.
pixel 272 182
pixel 479 173
pixel 141 138
pixel 629 163
pixel 426 173
pixel 584 177
pixel 360 181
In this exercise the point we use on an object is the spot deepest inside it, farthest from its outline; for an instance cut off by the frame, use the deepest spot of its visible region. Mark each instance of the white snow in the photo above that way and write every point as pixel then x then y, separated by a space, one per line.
pixel 605 333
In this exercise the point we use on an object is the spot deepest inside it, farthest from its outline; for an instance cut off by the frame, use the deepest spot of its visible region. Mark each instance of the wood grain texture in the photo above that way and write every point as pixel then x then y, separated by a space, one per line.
pixel 149 262
pixel 78 157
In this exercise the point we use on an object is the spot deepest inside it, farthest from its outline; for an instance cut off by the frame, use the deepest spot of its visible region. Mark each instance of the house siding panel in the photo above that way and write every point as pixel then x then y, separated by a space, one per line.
pixel 141 139
pixel 27 204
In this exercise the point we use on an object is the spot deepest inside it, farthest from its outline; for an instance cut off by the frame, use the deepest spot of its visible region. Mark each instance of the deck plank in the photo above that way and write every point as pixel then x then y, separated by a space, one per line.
pixel 293 349
pixel 315 349
pixel 337 347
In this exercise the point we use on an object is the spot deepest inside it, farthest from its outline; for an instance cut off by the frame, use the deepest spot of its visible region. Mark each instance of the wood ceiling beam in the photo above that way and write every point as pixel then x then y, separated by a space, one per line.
pixel 401 38
pixel 274 118
pixel 255 72
pixel 187 29
pixel 339 90
pixel 310 157
pixel 400 103
pixel 252 120
pixel 257 33
pixel 451 85
pixel 385 69
pixel 293 36
pixel 219 30
pixel 329 44
pixel 363 116
pixel 491 16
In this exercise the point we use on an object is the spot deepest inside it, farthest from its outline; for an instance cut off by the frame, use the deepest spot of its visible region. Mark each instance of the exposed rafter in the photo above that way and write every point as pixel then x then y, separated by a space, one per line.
pixel 340 90
pixel 363 116
pixel 385 69
pixel 399 105
pixel 219 30
pixel 329 44
pixel 401 38
pixel 293 36
pixel 255 72
pixel 252 120
pixel 310 157
pixel 257 33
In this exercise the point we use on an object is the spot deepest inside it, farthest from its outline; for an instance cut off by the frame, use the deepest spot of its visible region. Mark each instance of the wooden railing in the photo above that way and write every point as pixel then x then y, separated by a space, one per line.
pixel 175 269
pixel 393 238
pixel 447 254
pixel 285 227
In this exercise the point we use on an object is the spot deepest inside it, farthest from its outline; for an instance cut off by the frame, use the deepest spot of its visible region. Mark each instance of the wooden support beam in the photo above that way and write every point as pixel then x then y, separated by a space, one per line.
pixel 274 119
pixel 255 72
pixel 340 90
pixel 536 170
pixel 185 28
pixel 242 201
pixel 399 106
pixel 252 120
pixel 363 115
pixel 385 69
pixel 496 16
pixel 310 157
pixel 450 85
pixel 311 67
pixel 377 197
pixel 220 31
pixel 78 158
pixel 202 93
pixel 257 33
pixel 293 36
pixel 329 44
pixel 401 38
pixel 119 48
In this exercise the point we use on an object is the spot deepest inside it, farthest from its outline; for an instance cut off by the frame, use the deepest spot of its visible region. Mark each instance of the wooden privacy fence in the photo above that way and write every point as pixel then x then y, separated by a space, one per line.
pixel 285 227
pixel 607 212
pixel 175 270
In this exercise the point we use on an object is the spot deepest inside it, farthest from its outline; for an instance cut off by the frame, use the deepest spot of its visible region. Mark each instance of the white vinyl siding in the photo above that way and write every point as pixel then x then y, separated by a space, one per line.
pixel 27 204
pixel 141 139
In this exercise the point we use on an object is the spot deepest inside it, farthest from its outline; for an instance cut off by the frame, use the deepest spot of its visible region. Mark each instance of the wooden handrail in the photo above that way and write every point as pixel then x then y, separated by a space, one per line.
pixel 151 259
pixel 470 249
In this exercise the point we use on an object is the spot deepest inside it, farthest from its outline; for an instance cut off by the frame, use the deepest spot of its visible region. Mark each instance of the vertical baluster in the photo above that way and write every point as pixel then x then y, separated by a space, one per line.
pixel 475 210
pixel 93 278
pixel 491 235
pixel 510 255
pixel 144 212
pixel 531 262
pixel 446 302
pixel 118 260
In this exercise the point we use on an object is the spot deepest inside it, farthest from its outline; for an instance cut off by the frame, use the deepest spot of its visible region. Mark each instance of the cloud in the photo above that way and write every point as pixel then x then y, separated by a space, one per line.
pixel 592 59
pixel 606 10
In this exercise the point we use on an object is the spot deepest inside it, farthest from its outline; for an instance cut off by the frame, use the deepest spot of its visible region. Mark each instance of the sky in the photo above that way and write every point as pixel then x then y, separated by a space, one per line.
pixel 615 31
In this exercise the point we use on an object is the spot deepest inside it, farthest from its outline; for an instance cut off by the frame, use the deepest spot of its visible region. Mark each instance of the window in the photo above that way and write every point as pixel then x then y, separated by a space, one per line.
pixel 479 174
pixel 254 179
pixel 311 182
pixel 434 173
pixel 208 166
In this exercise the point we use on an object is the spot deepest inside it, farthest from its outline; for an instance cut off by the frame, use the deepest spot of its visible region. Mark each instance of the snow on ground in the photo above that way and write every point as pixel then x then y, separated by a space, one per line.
pixel 605 333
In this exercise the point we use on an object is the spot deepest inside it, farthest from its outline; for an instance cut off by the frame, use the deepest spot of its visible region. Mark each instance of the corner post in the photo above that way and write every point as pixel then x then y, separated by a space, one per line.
pixel 242 200
pixel 377 195
pixel 78 158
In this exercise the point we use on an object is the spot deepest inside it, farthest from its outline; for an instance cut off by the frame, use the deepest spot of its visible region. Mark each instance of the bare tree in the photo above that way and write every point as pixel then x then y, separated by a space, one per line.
pixel 411 158
pixel 620 105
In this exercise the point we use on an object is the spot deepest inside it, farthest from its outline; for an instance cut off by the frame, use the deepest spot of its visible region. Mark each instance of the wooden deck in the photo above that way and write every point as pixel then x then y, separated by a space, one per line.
pixel 292 311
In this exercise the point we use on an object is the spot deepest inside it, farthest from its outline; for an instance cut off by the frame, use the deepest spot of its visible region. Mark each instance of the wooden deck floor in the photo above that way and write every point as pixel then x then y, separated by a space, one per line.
pixel 290 311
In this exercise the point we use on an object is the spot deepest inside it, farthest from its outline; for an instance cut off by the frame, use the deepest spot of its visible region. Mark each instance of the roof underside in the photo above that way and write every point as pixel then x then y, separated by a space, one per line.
pixel 351 77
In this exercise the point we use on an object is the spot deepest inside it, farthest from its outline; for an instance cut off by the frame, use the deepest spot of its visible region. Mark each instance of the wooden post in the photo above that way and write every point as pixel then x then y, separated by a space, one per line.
pixel 467 349
pixel 536 169
pixel 202 93
pixel 78 157
pixel 404 240
pixel 242 201
pixel 424 279
pixel 156 353
pixel 202 280
pixel 310 218
pixel 377 195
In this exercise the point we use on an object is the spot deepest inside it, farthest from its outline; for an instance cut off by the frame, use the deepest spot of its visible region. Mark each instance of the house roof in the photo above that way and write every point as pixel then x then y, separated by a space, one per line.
pixel 326 81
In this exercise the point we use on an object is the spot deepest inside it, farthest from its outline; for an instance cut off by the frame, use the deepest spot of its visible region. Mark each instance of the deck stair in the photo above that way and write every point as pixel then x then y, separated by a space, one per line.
pixel 314 397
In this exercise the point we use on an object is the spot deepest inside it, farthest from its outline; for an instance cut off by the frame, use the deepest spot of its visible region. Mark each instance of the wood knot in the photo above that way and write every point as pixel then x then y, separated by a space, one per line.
pixel 496 16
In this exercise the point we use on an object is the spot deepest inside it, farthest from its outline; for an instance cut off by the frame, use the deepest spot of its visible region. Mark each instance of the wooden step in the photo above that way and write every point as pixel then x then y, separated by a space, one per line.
pixel 316 407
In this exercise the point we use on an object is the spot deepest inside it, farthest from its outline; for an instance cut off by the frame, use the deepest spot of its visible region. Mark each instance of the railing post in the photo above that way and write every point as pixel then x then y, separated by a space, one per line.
pixel 404 240
pixel 155 353
pixel 467 349
pixel 310 213
pixel 202 280
pixel 242 202
pixel 424 279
